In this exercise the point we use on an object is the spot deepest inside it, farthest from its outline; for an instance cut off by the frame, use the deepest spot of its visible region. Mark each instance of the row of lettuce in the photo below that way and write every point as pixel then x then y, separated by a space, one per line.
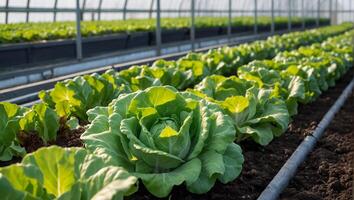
pixel 74 97
pixel 69 101
pixel 27 32
pixel 165 135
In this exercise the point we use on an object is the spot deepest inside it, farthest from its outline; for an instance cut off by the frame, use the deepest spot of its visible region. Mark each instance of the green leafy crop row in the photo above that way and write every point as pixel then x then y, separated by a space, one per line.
pixel 156 131
pixel 28 32
pixel 166 138
pixel 86 92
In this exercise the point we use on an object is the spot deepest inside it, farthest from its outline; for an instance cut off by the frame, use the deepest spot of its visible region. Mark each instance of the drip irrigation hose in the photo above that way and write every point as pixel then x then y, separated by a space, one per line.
pixel 281 180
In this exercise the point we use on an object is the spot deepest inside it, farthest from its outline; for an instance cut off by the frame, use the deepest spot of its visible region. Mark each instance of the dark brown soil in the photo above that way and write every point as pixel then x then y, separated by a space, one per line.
pixel 262 163
pixel 31 141
pixel 66 138
pixel 70 138
pixel 328 173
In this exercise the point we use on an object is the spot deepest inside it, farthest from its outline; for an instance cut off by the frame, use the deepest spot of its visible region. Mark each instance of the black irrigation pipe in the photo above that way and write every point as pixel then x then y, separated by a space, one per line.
pixel 286 173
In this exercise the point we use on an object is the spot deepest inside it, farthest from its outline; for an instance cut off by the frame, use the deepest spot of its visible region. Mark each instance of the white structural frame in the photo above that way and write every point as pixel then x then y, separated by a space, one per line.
pixel 195 9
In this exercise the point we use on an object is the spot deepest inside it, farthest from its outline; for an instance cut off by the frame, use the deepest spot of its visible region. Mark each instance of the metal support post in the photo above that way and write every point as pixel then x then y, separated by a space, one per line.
pixel 83 9
pixel 289 15
pixel 350 10
pixel 7 12
pixel 331 12
pixel 303 22
pixel 192 25
pixel 230 20
pixel 318 13
pixel 272 25
pixel 255 17
pixel 55 10
pixel 99 10
pixel 125 9
pixel 336 12
pixel 27 10
pixel 151 8
pixel 158 28
pixel 78 31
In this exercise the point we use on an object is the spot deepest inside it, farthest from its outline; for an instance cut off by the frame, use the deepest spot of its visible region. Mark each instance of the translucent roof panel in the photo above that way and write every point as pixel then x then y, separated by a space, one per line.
pixel 42 4
pixel 346 7
pixel 111 16
pixel 17 3
pixel 172 5
pixel 15 17
pixel 113 4
pixel 41 17
pixel 62 16
pixel 139 5
pixel 93 4
pixel 66 4
pixel 175 8
pixel 89 16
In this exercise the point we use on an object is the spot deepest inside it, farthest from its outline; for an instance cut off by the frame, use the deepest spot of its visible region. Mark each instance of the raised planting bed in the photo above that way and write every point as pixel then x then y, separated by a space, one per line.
pixel 237 29
pixel 103 44
pixel 204 32
pixel 171 140
pixel 262 163
pixel 281 26
pixel 328 172
pixel 137 39
pixel 168 36
pixel 331 159
pixel 36 53
pixel 264 28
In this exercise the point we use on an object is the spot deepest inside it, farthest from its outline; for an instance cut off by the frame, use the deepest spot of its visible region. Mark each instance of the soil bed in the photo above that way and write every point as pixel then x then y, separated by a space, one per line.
pixel 31 141
pixel 331 159
pixel 66 138
pixel 328 172
pixel 262 163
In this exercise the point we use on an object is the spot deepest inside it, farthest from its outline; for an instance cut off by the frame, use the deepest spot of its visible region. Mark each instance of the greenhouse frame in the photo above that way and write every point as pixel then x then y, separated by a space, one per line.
pixel 177 99
pixel 15 11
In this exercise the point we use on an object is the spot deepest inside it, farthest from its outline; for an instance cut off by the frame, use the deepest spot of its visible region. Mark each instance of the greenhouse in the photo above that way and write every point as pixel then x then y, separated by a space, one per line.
pixel 183 99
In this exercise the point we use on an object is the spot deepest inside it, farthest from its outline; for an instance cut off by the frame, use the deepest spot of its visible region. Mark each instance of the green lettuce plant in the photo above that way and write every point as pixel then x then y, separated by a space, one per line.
pixel 64 173
pixel 9 127
pixel 29 32
pixel 194 63
pixel 162 72
pixel 329 66
pixel 169 73
pixel 285 84
pixel 17 122
pixel 165 139
pixel 41 120
pixel 224 60
pixel 74 97
pixel 139 77
pixel 256 113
